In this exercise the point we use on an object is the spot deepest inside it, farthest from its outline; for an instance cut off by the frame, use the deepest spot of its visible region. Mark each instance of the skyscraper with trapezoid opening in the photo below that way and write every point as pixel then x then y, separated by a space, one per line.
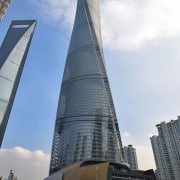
pixel 86 125
pixel 13 52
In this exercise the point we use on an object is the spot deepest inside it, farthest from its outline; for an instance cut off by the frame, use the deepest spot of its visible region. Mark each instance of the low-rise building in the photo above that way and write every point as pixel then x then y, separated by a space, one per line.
pixel 100 170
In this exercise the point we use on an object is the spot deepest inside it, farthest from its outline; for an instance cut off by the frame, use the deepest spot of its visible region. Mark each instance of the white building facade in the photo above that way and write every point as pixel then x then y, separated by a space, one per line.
pixel 166 149
pixel 130 157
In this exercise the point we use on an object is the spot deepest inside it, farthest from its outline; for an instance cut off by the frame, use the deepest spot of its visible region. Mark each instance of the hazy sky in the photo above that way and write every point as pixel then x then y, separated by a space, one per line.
pixel 141 40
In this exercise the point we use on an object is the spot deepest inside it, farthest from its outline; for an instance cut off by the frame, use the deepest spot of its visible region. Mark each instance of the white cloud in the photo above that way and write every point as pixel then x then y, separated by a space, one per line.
pixel 56 11
pixel 30 165
pixel 26 164
pixel 134 23
pixel 126 24
pixel 145 157
pixel 126 134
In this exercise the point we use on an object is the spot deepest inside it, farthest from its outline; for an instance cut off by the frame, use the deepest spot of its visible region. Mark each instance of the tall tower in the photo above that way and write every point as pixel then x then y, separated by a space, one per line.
pixel 86 125
pixel 13 54
pixel 3 7
pixel 166 149
pixel 131 157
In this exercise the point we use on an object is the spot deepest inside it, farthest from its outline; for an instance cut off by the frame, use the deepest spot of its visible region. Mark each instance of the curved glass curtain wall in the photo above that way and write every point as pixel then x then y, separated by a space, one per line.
pixel 86 124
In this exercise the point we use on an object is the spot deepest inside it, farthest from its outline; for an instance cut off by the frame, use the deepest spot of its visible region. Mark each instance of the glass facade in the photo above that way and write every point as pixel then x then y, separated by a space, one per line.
pixel 86 125
pixel 13 54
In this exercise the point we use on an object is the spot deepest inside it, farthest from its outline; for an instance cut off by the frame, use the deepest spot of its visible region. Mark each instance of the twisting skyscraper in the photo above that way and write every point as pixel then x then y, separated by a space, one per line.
pixel 13 54
pixel 86 125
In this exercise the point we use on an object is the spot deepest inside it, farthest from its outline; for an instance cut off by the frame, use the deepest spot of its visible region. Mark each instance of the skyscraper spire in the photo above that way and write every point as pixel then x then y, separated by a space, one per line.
pixel 86 125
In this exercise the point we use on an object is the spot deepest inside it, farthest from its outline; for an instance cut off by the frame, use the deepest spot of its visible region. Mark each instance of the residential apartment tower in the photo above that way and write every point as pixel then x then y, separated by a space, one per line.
pixel 130 157
pixel 166 149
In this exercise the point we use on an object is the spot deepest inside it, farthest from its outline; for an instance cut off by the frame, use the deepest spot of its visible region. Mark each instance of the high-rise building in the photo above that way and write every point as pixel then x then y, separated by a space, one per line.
pixel 13 54
pixel 166 149
pixel 12 176
pixel 86 124
pixel 3 7
pixel 130 157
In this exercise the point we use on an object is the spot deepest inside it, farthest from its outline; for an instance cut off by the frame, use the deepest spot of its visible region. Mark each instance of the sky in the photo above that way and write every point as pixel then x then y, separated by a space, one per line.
pixel 141 46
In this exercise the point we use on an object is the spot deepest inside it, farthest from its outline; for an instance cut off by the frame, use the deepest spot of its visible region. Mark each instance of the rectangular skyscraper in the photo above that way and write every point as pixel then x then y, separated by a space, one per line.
pixel 86 125
pixel 130 157
pixel 166 149
pixel 3 7
pixel 13 54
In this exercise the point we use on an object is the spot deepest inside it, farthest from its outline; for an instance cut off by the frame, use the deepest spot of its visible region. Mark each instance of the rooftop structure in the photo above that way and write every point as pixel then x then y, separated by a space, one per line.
pixel 100 170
